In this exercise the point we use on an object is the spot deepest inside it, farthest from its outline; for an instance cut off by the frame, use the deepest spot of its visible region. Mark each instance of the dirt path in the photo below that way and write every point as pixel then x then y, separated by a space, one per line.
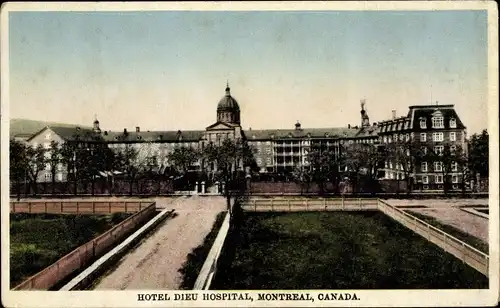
pixel 449 212
pixel 155 263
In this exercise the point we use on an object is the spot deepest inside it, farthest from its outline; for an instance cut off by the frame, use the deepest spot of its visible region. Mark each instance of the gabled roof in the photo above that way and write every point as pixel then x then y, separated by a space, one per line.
pixel 67 133
pixel 228 125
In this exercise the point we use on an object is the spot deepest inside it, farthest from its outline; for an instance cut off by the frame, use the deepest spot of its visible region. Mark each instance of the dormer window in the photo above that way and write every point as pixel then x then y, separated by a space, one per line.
pixel 423 123
pixel 327 135
pixel 453 123
pixel 437 120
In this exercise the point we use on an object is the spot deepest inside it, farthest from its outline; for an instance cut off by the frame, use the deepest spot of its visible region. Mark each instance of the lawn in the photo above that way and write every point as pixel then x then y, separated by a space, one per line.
pixel 465 237
pixel 38 240
pixel 325 250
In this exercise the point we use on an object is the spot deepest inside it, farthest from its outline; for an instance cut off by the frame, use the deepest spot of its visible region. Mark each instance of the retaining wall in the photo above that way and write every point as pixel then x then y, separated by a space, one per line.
pixel 77 207
pixel 83 255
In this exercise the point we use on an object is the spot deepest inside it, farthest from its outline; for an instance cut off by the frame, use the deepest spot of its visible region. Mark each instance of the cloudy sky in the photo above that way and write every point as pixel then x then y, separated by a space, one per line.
pixel 167 70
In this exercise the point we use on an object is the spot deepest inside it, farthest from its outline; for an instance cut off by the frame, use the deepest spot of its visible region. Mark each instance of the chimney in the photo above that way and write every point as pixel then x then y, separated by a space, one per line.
pixel 393 114
pixel 137 129
pixel 297 125
pixel 348 125
pixel 105 133
pixel 125 131
pixel 78 128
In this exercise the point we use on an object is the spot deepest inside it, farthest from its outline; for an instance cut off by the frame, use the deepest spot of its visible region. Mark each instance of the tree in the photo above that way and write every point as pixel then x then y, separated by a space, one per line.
pixel 324 167
pixel 35 162
pixel 479 154
pixel 227 158
pixel 407 154
pixel 182 159
pixel 362 159
pixel 18 164
pixel 127 157
pixel 54 159
pixel 302 175
pixel 68 156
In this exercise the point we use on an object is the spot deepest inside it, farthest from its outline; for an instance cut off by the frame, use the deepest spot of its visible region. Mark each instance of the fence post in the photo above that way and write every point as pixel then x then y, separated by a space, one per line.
pixel 61 207
pixel 289 205
pixel 343 206
pixel 29 207
pixel 428 232
pixel 45 203
pixel 78 207
pixel 126 207
pixel 255 205
pixel 14 207
pixel 307 204
pixel 272 205
pixel 109 207
pixel 359 203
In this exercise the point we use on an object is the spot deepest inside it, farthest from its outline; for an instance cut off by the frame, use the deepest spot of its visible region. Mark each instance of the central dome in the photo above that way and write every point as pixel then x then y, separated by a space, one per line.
pixel 228 103
pixel 228 110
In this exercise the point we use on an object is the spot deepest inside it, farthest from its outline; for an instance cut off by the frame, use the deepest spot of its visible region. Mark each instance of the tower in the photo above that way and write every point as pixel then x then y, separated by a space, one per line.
pixel 365 120
pixel 228 110
pixel 96 128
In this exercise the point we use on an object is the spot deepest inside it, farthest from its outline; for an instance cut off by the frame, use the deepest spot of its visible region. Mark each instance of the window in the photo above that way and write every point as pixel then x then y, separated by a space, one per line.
pixel 453 149
pixel 454 166
pixel 48 135
pixel 423 123
pixel 439 149
pixel 385 139
pixel 268 150
pixel 437 137
pixel 401 137
pixel 437 122
pixel 438 167
pixel 423 137
pixel 407 137
pixel 453 136
pixel 424 150
pixel 259 161
pixel 423 167
pixel 48 176
pixel 454 179
pixel 407 152
pixel 269 162
pixel 59 177
pixel 439 179
pixel 453 123
pixel 426 186
pixel 425 179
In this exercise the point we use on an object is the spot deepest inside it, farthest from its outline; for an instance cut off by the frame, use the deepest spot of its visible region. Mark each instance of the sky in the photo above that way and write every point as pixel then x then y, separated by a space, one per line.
pixel 167 70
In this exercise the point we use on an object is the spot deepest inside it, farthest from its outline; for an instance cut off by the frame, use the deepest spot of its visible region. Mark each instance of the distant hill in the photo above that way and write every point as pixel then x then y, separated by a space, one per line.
pixel 29 127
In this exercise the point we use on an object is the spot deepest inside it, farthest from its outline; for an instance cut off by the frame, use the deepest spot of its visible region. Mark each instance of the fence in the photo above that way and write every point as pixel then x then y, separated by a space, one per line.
pixel 83 255
pixel 468 254
pixel 209 268
pixel 77 207
pixel 304 204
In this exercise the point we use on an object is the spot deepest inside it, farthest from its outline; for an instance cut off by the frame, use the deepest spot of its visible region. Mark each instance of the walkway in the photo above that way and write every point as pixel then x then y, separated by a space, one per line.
pixel 449 212
pixel 156 262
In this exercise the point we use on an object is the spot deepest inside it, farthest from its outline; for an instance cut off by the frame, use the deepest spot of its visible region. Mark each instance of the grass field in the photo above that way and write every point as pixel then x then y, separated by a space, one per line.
pixel 38 240
pixel 319 250
pixel 467 238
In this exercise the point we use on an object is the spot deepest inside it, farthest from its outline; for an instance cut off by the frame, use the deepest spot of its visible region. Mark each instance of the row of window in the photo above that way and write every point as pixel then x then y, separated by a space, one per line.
pixel 438 166
pixel 438 122
pixel 438 179
pixel 438 136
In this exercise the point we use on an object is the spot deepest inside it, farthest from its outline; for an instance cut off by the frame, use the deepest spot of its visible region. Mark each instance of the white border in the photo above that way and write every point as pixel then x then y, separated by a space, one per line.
pixel 388 298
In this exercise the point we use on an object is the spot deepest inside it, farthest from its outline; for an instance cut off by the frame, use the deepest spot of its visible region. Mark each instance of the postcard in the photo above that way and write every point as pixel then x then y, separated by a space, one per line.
pixel 249 154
